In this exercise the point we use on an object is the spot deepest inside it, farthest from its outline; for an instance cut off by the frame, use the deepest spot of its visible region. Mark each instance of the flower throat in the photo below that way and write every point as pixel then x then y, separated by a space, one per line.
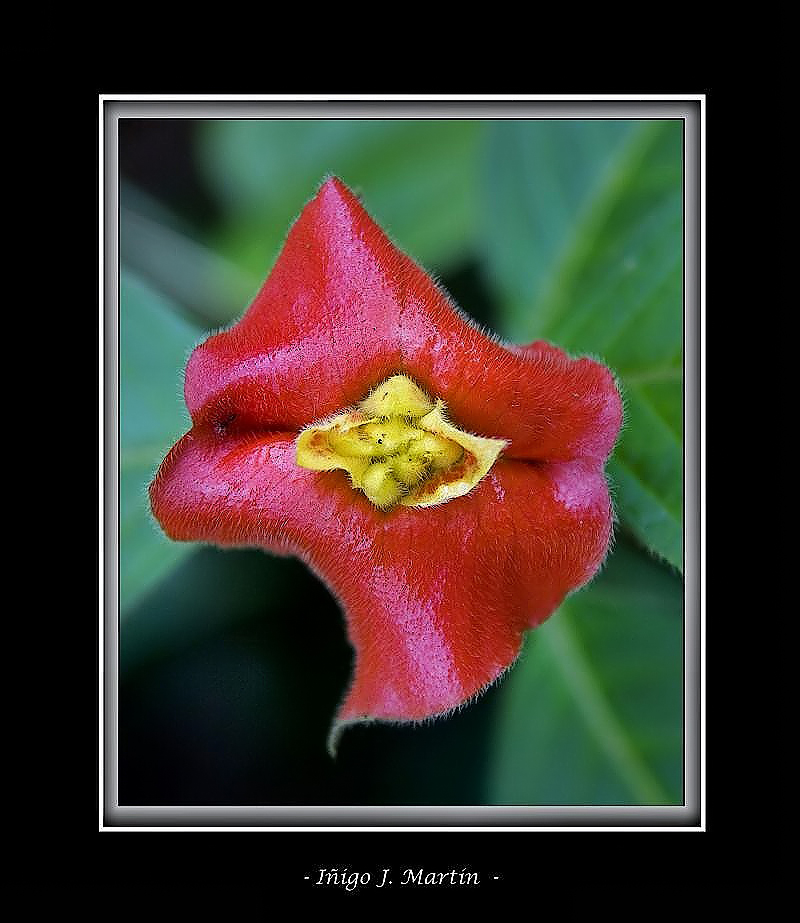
pixel 399 449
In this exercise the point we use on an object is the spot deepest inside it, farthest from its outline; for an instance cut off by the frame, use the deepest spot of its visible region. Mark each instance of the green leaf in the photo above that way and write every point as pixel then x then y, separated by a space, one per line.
pixel 208 289
pixel 154 345
pixel 584 224
pixel 592 713
pixel 418 178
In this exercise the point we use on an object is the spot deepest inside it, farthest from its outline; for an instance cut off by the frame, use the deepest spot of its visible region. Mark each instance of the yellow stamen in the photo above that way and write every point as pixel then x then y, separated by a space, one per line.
pixel 396 397
pixel 409 469
pixel 379 485
pixel 391 436
pixel 398 448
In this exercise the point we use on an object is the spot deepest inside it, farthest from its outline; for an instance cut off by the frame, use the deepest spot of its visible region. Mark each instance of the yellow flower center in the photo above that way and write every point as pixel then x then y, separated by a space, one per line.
pixel 399 449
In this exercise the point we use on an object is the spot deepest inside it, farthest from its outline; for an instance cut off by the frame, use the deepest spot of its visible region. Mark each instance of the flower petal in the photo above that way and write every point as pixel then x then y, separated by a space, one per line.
pixel 343 309
pixel 450 591
pixel 436 600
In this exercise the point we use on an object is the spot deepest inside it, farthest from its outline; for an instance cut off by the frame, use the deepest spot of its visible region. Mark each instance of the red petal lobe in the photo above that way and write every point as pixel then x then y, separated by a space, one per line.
pixel 343 309
pixel 436 600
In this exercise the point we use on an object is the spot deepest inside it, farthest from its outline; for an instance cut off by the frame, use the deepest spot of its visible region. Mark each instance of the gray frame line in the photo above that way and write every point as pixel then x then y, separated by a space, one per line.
pixel 690 815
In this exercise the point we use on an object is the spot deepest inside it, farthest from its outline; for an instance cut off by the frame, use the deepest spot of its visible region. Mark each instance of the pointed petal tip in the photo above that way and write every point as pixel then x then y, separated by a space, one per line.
pixel 338 727
pixel 331 181
pixel 331 185
pixel 349 715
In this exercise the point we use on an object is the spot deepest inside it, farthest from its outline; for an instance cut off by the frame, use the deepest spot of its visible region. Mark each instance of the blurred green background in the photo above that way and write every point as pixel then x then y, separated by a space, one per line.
pixel 232 663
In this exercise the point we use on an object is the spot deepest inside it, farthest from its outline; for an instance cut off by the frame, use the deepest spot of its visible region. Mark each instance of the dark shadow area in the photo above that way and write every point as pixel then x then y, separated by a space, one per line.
pixel 231 673
pixel 158 157
pixel 468 289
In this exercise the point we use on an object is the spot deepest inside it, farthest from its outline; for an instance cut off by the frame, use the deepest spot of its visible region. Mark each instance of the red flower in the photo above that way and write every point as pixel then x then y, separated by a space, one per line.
pixel 441 548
